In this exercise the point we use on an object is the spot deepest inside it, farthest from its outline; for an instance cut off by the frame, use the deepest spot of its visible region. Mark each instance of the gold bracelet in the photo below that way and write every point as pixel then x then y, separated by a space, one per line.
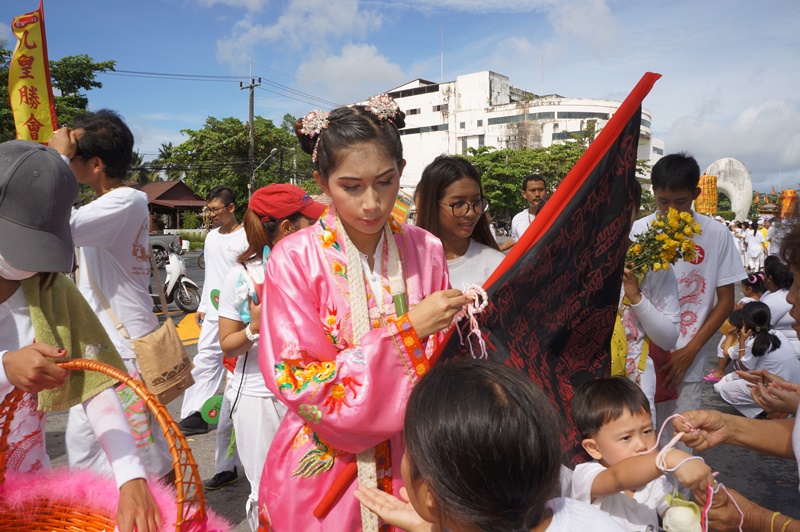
pixel 783 528
pixel 772 523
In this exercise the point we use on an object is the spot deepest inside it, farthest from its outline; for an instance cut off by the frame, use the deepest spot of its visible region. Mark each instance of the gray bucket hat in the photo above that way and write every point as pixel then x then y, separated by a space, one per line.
pixel 37 190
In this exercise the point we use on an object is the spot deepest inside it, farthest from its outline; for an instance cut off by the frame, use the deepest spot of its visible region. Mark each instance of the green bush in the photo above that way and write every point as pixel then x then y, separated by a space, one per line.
pixel 193 237
pixel 727 215
pixel 196 246
pixel 191 220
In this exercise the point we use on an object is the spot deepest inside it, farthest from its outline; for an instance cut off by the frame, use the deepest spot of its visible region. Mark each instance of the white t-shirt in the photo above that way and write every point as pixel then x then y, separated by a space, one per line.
pixel 755 243
pixel 570 515
pixel 780 320
pixel 636 514
pixel 717 264
pixel 221 252
pixel 247 376
pixel 475 266
pixel 26 440
pixel 112 233
pixel 782 361
pixel 519 223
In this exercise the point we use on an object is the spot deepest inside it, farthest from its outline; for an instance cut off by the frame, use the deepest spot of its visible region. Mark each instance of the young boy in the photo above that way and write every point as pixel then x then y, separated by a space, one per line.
pixel 713 273
pixel 613 417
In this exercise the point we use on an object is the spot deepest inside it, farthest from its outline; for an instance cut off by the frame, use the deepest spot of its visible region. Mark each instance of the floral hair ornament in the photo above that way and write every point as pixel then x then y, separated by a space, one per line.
pixel 312 125
pixel 383 106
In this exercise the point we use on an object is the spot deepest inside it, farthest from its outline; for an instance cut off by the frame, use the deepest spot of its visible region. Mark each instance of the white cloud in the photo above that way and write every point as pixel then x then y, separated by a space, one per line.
pixel 303 24
pixel 358 72
pixel 477 6
pixel 764 137
pixel 249 5
pixel 6 35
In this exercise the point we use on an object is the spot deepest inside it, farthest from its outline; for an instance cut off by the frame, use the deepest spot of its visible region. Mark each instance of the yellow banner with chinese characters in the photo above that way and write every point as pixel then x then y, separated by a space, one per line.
pixel 29 89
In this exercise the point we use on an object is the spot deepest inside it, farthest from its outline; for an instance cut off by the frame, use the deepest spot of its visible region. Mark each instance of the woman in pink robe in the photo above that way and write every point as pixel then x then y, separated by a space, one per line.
pixel 347 396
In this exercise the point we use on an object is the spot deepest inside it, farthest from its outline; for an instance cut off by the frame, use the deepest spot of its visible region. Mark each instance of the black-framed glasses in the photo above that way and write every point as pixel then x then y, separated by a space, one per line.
pixel 215 210
pixel 461 208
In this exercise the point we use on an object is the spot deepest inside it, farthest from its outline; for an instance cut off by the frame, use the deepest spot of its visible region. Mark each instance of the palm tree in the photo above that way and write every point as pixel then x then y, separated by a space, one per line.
pixel 165 164
pixel 140 172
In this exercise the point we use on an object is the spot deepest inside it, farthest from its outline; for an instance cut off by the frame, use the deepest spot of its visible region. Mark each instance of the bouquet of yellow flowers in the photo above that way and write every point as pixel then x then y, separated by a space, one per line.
pixel 669 238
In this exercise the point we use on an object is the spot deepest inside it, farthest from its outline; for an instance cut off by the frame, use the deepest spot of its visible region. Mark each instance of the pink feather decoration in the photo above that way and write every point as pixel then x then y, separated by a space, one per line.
pixel 87 489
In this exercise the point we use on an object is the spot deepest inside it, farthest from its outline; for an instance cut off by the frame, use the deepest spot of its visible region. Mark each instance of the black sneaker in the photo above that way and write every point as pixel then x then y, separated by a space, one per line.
pixel 222 479
pixel 193 424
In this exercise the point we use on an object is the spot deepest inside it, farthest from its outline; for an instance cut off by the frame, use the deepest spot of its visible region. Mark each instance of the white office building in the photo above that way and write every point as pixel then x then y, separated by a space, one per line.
pixel 483 108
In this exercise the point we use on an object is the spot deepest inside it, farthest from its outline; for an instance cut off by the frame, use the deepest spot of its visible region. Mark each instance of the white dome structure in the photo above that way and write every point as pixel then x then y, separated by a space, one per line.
pixel 734 180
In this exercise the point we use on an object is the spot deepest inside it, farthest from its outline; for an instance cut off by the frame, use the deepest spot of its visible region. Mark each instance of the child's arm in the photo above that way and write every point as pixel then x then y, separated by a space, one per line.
pixel 636 472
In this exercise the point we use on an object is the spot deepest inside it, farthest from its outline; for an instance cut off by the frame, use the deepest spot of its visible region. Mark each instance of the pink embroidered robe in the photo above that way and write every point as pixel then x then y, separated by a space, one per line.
pixel 342 399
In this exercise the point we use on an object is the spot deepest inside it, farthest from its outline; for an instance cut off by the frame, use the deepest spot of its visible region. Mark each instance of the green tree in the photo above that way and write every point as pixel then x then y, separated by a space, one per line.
pixel 218 154
pixel 164 163
pixel 71 76
pixel 502 171
pixel 140 172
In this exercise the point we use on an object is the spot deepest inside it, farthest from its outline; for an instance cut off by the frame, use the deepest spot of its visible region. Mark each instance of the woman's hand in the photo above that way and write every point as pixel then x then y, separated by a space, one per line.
pixel 436 312
pixel 762 376
pixel 137 511
pixel 396 512
pixel 630 284
pixel 703 429
pixel 783 397
pixel 29 370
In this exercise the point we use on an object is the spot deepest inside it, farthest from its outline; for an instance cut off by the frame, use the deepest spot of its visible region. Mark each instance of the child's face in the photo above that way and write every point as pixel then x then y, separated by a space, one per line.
pixel 680 200
pixel 418 494
pixel 364 189
pixel 626 436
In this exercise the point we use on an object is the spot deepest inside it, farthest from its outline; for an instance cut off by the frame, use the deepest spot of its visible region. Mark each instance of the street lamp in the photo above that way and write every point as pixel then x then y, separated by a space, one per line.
pixel 253 174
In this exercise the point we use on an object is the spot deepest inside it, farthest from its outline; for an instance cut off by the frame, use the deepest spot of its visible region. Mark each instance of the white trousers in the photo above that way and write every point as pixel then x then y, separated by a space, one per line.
pixel 647 383
pixel 756 263
pixel 256 420
pixel 84 450
pixel 208 370
pixel 224 460
pixel 736 391
pixel 689 396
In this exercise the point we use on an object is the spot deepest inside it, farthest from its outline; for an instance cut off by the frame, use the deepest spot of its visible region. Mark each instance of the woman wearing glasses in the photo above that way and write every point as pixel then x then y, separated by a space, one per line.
pixel 450 204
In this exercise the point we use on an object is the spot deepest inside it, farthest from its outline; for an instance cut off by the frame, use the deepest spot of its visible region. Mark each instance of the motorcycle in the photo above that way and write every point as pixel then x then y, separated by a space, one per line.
pixel 177 286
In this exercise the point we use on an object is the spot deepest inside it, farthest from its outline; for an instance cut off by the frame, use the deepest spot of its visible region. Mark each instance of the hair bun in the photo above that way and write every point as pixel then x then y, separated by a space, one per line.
pixel 306 142
pixel 399 120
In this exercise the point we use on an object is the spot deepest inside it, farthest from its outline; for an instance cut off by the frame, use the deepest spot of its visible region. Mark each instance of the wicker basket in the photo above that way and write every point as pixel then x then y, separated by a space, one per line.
pixel 54 515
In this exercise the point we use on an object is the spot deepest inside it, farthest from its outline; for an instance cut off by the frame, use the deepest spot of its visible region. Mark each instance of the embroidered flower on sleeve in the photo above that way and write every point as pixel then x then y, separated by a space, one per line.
pixel 328 238
pixel 339 269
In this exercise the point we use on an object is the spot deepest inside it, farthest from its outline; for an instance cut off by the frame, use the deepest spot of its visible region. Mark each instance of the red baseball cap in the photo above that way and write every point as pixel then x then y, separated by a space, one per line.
pixel 281 200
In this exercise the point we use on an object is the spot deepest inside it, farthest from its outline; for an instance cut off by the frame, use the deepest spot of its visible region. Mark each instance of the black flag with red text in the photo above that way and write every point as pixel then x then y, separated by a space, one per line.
pixel 553 300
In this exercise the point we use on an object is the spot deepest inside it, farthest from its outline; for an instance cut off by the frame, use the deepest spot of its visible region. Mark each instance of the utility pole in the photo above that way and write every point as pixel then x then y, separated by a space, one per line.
pixel 251 154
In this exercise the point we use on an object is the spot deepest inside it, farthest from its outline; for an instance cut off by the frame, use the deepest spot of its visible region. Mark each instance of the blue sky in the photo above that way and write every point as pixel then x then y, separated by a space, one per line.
pixel 731 68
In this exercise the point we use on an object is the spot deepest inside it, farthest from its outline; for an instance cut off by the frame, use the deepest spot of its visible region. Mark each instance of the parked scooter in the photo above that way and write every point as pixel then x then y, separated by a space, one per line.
pixel 177 286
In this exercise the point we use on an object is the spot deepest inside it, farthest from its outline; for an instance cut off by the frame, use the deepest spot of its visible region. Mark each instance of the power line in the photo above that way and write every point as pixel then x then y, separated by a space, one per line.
pixel 293 94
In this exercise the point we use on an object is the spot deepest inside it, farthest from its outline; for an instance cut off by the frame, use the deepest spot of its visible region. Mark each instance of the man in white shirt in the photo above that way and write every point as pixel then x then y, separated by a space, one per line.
pixel 223 246
pixel 705 286
pixel 113 271
pixel 534 190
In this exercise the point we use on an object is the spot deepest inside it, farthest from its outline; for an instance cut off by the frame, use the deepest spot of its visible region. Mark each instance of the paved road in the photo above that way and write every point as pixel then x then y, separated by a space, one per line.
pixel 769 481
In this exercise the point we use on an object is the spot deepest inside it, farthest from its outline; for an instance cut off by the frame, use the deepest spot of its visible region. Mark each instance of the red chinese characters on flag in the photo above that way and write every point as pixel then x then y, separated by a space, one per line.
pixel 30 92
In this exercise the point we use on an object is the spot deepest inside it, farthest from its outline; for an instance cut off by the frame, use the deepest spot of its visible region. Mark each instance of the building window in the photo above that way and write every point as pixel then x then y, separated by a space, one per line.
pixel 602 116
pixel 462 125
pixel 464 146
pixel 658 151
pixel 413 111
pixel 480 124
pixel 424 129
pixel 646 123
pixel 442 107
pixel 481 140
